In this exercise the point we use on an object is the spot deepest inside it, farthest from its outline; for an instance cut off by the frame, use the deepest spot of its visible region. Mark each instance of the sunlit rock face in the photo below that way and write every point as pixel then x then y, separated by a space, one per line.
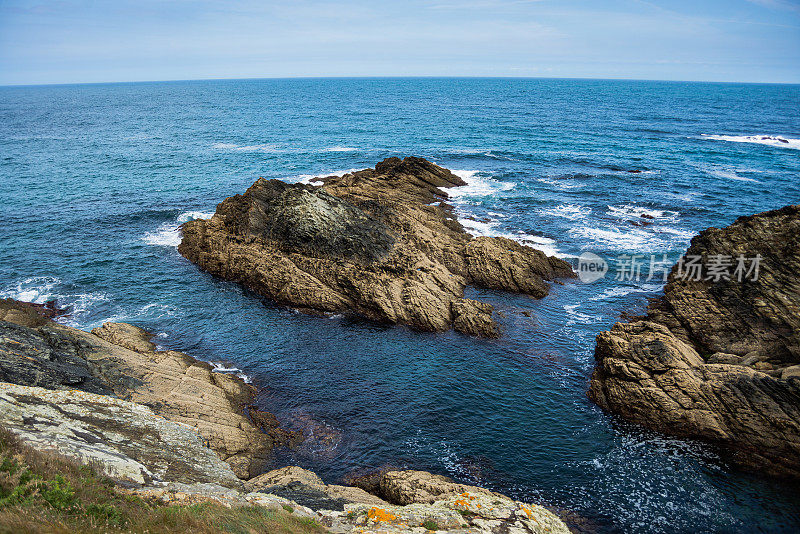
pixel 370 243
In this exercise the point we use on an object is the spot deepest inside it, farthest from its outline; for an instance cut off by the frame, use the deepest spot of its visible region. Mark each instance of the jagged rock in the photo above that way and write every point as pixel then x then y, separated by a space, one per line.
pixel 306 488
pixel 127 441
pixel 407 487
pixel 453 508
pixel 119 359
pixel 463 512
pixel 29 313
pixel 716 359
pixel 44 356
pixel 368 243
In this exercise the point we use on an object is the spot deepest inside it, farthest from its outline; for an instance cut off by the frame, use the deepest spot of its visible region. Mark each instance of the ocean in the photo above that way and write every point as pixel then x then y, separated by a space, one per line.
pixel 96 180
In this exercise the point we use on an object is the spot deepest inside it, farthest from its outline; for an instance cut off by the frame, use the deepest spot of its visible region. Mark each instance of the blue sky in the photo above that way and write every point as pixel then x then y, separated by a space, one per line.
pixel 96 41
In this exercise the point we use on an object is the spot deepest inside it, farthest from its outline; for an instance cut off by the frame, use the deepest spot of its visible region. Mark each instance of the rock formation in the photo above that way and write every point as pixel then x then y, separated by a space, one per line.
pixel 718 359
pixel 415 499
pixel 128 441
pixel 370 243
pixel 119 359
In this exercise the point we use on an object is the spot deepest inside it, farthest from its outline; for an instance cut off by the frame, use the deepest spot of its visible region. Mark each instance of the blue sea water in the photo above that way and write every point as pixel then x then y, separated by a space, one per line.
pixel 95 179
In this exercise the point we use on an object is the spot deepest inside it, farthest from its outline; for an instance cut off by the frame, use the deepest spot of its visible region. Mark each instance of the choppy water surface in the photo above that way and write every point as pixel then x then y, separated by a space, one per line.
pixel 95 180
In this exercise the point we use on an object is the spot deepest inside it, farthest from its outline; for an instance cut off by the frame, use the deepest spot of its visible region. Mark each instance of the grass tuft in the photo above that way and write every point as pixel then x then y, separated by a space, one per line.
pixel 41 492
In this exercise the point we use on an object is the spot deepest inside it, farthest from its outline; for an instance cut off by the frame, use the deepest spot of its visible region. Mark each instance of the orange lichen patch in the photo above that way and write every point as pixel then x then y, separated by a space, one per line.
pixel 380 515
pixel 461 502
pixel 529 514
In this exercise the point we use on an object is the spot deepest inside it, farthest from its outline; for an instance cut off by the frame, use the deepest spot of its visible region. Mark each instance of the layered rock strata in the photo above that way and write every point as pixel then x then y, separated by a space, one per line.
pixel 119 359
pixel 718 358
pixel 381 243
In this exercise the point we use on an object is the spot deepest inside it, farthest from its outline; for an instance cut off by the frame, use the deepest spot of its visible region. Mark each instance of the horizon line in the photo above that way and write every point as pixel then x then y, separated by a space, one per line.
pixel 410 77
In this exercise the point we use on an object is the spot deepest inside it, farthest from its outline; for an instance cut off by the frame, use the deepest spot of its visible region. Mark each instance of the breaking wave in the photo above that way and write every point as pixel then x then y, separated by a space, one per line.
pixel 169 234
pixel 770 140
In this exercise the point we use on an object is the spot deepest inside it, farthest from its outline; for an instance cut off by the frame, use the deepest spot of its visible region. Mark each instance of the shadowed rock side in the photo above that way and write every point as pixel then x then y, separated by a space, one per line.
pixel 370 243
pixel 718 360
pixel 119 359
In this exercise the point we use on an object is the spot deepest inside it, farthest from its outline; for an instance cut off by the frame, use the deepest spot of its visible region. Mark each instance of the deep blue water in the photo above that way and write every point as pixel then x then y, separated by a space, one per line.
pixel 94 180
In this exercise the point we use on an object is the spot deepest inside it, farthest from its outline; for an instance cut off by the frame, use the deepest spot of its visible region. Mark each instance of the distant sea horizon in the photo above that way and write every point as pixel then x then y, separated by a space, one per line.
pixel 398 77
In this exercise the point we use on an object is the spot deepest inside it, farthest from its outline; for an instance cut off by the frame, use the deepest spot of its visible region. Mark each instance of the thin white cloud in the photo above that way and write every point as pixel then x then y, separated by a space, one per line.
pixel 778 4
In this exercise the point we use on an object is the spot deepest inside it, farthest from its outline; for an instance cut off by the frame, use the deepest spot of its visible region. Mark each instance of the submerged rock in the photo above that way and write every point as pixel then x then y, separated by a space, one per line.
pixel 714 358
pixel 368 243
pixel 119 359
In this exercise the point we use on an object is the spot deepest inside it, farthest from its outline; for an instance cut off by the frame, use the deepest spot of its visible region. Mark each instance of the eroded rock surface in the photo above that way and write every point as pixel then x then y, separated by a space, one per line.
pixel 119 359
pixel 370 243
pixel 718 360
pixel 127 441
pixel 418 501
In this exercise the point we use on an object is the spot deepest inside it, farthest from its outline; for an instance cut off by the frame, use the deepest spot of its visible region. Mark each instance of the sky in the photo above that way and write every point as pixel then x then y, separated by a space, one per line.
pixel 73 41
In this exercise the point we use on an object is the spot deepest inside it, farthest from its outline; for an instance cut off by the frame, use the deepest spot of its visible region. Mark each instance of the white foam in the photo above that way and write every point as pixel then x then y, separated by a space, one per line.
pixel 41 289
pixel 491 229
pixel 576 317
pixel 572 212
pixel 629 211
pixel 477 185
pixel 770 140
pixel 621 291
pixel 246 148
pixel 219 367
pixel 639 240
pixel 169 234
pixel 339 149
pixel 37 289
pixel 222 368
pixel 560 184
pixel 731 175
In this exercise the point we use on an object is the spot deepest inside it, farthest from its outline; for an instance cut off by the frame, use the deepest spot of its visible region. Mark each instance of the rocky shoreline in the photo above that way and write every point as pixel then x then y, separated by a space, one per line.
pixel 380 243
pixel 718 360
pixel 166 427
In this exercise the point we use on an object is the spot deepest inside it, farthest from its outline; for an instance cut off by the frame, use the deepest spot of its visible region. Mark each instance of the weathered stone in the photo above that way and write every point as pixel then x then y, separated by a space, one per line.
pixel 652 371
pixel 468 511
pixel 306 488
pixel 127 441
pixel 44 356
pixel 368 243
pixel 119 359
pixel 406 487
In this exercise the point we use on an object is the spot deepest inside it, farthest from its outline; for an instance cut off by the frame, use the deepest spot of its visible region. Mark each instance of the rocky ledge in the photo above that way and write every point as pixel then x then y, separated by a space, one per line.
pixel 718 360
pixel 381 243
pixel 118 359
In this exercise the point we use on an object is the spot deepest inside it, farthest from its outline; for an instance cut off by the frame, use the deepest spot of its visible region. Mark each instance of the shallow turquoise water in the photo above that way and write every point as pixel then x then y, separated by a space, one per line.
pixel 96 178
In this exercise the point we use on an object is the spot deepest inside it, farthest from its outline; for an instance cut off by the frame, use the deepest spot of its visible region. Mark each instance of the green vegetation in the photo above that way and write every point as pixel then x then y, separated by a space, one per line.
pixel 44 493
pixel 430 524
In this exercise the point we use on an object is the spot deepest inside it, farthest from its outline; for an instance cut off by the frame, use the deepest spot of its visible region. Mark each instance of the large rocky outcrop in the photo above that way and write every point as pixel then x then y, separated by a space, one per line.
pixel 718 359
pixel 371 243
pixel 417 501
pixel 126 441
pixel 119 359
